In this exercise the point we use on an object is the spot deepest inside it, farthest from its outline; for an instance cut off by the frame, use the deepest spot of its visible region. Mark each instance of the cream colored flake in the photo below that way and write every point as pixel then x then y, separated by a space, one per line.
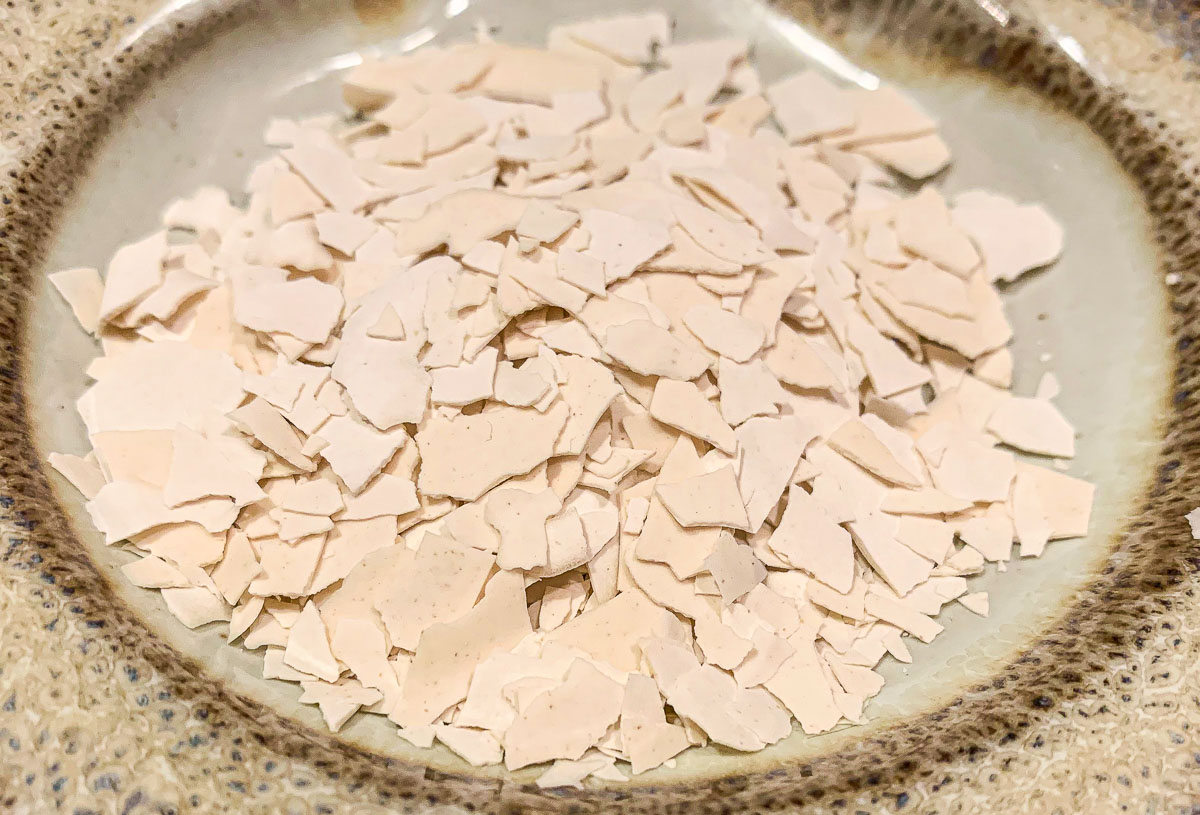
pixel 582 271
pixel 185 543
pixel 725 333
pixel 918 158
pixel 504 442
pixel 895 612
pixel 647 349
pixel 808 106
pixel 710 499
pixel 448 653
pixel 338 702
pixel 356 451
pixel 237 569
pixel 308 646
pixel 441 584
pixel 860 443
pixel 545 223
pixel 124 508
pixel 539 733
pixel 306 308
pixel 771 449
pixel 199 469
pixel 747 390
pixel 930 538
pixel 293 526
pixel 477 747
pixel 343 231
pixel 993 221
pixel 732 241
pixel 242 617
pixel 610 632
pixel 134 271
pixel 990 534
pixel 977 602
pixel 519 387
pixel 151 572
pixel 331 174
pixel 798 362
pixel 901 567
pixel 923 284
pixel 465 383
pixel 83 290
pixel 84 474
pixel 1033 425
pixel 764 661
pixel 735 568
pixel 195 606
pixel 804 688
pixel 808 539
pixel 744 719
pixel 924 227
pixel 973 472
pixel 681 405
pixel 156 386
pixel 520 519
pixel 622 242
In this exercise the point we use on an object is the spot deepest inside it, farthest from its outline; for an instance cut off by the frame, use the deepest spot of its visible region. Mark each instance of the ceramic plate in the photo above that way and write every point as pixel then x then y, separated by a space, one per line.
pixel 1077 694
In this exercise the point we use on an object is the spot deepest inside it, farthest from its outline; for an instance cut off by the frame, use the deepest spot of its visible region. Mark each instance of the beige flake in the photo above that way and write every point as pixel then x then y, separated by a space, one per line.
pixel 440 584
pixel 1033 425
pixel 308 646
pixel 134 271
pixel 895 612
pixel 520 519
pixel 343 231
pixel 918 158
pixel 993 221
pixel 501 443
pixel 741 718
pixel 611 631
pixel 901 567
pixel 648 349
pixel 84 474
pixel 858 442
pixel 771 448
pixel 195 606
pixel 465 383
pixel 977 602
pixel 681 405
pixel 477 747
pixel 808 106
pixel 747 390
pixel 735 568
pixel 540 733
pixel 237 569
pixel 338 702
pixel 808 539
pixel 725 333
pixel 448 653
pixel 622 242
pixel 306 309
pixel 151 572
pixel 331 174
pixel 83 290
pixel 710 499
pixel 356 451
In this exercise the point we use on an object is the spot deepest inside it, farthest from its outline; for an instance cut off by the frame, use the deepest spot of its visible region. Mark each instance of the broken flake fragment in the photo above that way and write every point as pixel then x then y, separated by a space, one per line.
pixel 464 457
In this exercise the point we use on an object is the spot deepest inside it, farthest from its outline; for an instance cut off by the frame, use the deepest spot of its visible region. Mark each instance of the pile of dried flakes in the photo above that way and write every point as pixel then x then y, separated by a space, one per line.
pixel 564 410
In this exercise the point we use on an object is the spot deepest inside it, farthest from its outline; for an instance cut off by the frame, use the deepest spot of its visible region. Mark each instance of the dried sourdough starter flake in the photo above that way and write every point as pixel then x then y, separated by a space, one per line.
pixel 576 405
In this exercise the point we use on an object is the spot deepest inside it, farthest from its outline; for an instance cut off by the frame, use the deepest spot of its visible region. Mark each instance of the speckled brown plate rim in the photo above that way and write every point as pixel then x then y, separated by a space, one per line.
pixel 1152 566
